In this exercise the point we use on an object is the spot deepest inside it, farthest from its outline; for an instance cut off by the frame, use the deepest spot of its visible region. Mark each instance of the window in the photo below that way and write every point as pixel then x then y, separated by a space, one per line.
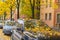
pixel 49 16
pixel 46 16
pixel 39 2
pixel 3 0
pixel 46 3
pixel 58 18
pixel 58 1
pixel 50 3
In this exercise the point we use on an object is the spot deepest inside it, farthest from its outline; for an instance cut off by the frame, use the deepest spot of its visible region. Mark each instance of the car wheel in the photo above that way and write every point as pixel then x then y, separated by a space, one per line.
pixel 4 34
pixel 10 33
pixel 1 27
pixel 22 39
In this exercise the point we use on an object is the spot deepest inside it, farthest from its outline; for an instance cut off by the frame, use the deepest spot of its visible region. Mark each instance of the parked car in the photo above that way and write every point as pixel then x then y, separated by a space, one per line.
pixel 1 24
pixel 32 36
pixel 8 27
pixel 21 23
pixel 16 35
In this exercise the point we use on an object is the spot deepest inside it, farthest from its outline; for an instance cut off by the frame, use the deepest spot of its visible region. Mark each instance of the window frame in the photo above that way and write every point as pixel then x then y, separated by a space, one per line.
pixel 46 16
pixel 50 16
pixel 58 18
pixel 46 3
pixel 50 3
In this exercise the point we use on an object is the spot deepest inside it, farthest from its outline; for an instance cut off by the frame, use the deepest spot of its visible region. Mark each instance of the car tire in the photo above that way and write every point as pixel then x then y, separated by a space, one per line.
pixel 11 33
pixel 1 27
pixel 4 34
pixel 22 39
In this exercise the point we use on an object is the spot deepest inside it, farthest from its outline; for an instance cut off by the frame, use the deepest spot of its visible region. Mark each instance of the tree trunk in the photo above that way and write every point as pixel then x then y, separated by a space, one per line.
pixel 4 15
pixel 32 7
pixel 18 12
pixel 11 13
pixel 33 12
pixel 18 5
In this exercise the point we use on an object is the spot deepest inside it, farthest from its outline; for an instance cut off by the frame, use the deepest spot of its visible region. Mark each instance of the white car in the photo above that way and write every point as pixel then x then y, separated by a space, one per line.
pixel 18 33
pixel 8 27
pixel 20 21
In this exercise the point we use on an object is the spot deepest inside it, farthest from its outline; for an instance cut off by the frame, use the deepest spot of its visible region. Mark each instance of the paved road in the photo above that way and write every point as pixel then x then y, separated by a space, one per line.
pixel 3 37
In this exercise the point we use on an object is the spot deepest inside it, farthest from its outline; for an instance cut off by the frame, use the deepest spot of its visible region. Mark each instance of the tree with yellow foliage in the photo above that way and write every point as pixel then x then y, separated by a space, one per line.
pixel 32 3
pixel 30 7
pixel 3 9
pixel 11 5
pixel 25 8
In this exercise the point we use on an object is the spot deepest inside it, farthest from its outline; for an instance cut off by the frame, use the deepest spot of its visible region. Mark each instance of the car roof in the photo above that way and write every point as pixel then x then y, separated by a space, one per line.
pixel 20 21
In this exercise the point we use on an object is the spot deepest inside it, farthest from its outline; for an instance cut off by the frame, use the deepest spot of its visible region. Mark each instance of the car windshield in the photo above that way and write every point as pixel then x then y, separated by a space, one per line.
pixel 1 21
pixel 19 25
pixel 10 23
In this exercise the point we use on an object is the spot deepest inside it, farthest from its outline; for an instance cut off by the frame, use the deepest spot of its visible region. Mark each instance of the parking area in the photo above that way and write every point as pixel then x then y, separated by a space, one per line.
pixel 3 37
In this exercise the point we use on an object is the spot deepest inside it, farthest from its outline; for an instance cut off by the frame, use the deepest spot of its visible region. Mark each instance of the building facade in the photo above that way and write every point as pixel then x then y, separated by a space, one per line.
pixel 48 12
pixel 57 13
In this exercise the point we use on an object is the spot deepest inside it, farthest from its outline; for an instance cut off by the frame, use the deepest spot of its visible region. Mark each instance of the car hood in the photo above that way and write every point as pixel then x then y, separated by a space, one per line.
pixel 7 27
